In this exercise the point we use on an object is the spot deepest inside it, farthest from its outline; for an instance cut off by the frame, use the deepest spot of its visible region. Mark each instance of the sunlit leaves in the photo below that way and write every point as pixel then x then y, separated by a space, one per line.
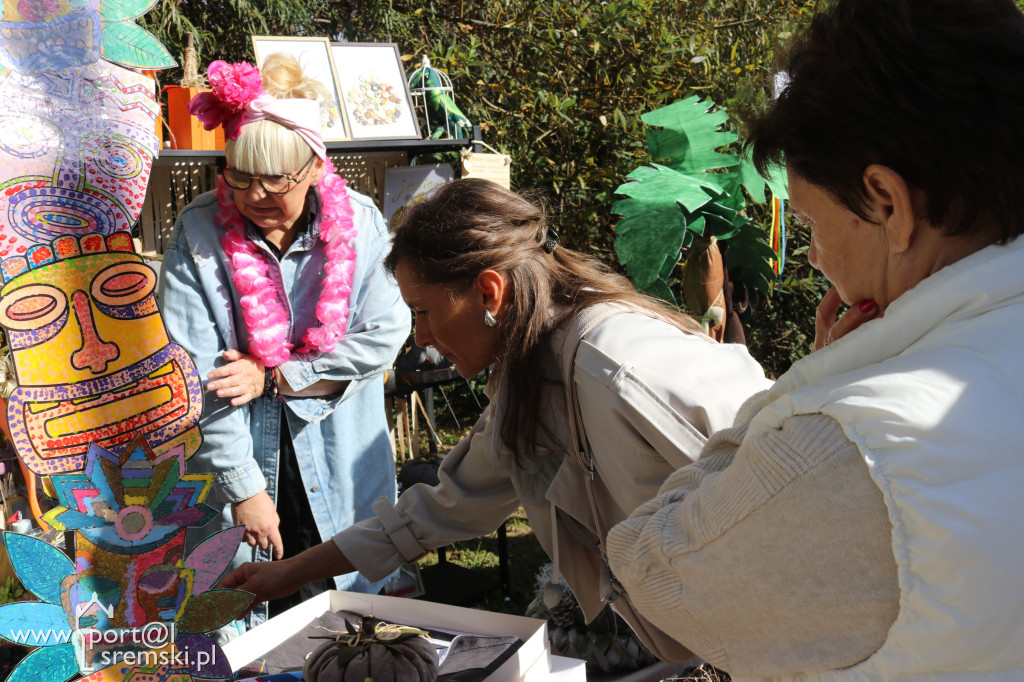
pixel 699 187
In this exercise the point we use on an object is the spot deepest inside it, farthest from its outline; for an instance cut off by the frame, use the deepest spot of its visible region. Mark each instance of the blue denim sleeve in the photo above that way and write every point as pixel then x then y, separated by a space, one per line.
pixel 378 325
pixel 189 315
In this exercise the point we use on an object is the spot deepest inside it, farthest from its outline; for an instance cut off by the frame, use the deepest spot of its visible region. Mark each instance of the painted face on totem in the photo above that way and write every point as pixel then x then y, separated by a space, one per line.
pixel 91 355
pixel 130 589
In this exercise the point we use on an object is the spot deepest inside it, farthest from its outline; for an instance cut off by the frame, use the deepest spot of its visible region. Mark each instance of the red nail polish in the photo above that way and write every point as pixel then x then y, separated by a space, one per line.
pixel 867 306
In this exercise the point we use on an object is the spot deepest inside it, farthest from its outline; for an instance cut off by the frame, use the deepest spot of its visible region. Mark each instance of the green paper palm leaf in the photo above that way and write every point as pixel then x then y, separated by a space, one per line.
pixel 694 190
pixel 686 136
pixel 752 181
pixel 128 44
pixel 654 223
pixel 749 254
pixel 661 289
pixel 717 218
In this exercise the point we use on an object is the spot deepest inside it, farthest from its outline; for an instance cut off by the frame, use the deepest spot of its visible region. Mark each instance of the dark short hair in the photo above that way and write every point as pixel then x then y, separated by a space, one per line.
pixel 933 89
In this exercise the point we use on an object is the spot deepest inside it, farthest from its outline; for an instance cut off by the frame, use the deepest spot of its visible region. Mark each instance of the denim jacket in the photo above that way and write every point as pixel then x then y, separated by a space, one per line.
pixel 341 442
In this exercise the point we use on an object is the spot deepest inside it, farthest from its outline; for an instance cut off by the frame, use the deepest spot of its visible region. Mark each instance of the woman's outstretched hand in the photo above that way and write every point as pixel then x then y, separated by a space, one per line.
pixel 827 328
pixel 273 579
pixel 266 579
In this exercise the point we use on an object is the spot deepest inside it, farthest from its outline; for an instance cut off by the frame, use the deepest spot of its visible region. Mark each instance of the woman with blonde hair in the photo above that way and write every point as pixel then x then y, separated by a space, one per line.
pixel 274 285
pixel 598 393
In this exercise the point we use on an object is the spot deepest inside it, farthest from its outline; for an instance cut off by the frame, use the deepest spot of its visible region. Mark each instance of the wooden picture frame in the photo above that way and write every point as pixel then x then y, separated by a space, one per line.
pixel 374 91
pixel 314 55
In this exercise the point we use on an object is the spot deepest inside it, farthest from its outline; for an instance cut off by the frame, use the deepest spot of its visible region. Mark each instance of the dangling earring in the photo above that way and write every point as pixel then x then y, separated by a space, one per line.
pixel 489 319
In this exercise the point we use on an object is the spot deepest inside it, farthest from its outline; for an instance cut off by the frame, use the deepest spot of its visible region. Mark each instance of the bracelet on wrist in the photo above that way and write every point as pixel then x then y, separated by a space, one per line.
pixel 270 382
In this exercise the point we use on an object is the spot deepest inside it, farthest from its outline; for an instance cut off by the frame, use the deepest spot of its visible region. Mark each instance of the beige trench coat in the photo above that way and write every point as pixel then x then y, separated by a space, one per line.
pixel 649 396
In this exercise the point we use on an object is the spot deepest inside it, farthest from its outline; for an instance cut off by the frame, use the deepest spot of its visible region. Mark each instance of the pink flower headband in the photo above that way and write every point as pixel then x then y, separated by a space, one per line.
pixel 238 98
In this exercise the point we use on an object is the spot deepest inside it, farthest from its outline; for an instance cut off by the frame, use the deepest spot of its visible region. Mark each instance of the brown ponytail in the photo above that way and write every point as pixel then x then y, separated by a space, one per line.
pixel 471 225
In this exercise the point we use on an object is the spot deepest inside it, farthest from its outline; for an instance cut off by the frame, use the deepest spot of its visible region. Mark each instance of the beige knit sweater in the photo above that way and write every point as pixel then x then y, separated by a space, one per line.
pixel 702 560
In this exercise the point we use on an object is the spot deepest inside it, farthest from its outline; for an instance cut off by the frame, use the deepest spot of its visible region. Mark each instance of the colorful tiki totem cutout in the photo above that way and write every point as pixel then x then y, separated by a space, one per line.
pixel 105 406
pixel 91 356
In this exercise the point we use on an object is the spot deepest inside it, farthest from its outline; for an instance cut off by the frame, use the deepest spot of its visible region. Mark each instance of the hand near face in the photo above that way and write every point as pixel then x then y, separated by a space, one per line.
pixel 241 379
pixel 827 328
pixel 261 522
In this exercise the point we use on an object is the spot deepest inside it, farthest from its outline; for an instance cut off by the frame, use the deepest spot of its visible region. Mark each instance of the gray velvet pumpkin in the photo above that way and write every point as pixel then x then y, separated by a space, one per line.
pixel 381 653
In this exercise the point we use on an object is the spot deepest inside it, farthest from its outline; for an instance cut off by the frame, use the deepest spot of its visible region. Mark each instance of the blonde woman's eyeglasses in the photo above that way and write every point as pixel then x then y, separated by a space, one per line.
pixel 272 184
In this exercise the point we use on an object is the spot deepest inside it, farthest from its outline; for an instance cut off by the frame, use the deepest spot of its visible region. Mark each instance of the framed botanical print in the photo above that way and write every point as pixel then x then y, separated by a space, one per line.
pixel 374 91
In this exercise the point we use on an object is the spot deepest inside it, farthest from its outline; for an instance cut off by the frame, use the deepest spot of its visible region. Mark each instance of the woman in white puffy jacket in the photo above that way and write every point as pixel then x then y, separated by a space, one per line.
pixel 862 520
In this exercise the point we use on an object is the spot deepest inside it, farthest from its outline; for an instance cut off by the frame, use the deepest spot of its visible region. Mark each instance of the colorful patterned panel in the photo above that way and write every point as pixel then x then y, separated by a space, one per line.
pixel 76 149
pixel 133 502
pixel 47 35
pixel 37 36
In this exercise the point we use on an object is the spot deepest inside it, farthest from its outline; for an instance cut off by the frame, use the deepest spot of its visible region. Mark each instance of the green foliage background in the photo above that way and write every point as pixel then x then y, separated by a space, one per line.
pixel 561 86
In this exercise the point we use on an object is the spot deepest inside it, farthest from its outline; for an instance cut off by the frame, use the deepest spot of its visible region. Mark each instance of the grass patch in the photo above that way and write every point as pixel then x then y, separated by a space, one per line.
pixel 526 557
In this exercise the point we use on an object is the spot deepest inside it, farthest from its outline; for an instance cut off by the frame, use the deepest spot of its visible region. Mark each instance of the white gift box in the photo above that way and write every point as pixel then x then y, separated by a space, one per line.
pixel 530 663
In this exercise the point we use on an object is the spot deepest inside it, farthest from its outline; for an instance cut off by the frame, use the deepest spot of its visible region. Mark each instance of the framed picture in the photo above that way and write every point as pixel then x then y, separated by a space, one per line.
pixel 374 91
pixel 405 184
pixel 314 56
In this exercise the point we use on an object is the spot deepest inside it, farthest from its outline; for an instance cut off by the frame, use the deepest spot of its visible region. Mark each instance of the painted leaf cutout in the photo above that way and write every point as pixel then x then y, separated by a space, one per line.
pixel 40 567
pixel 206 660
pixel 213 609
pixel 51 664
pixel 128 44
pixel 117 10
pixel 34 623
pixel 211 557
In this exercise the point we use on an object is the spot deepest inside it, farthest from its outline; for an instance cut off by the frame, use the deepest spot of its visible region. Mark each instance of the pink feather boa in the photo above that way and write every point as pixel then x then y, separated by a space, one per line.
pixel 266 319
